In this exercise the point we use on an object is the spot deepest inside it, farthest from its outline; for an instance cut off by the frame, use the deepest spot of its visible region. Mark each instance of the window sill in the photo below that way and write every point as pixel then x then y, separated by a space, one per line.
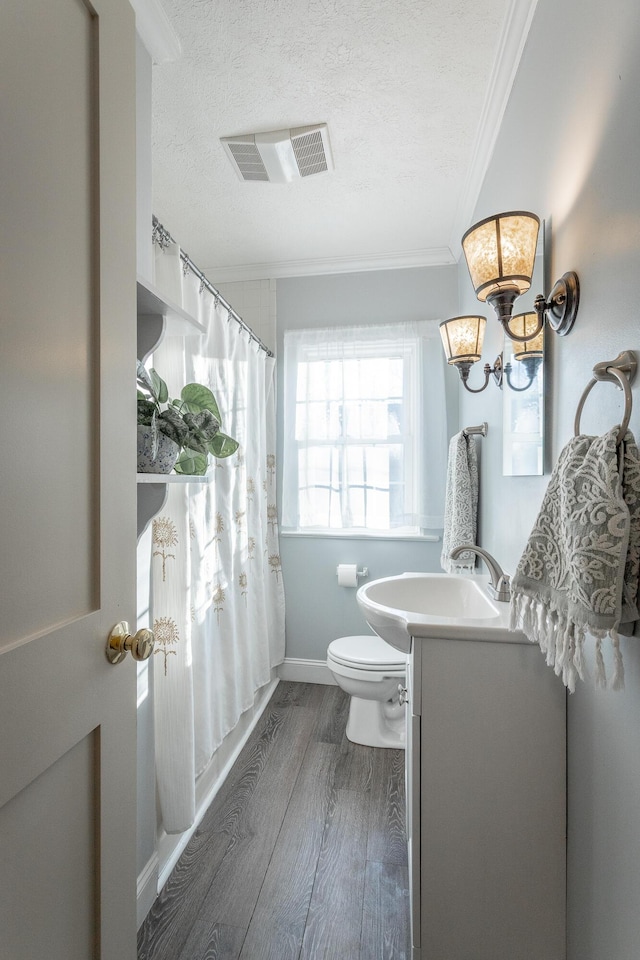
pixel 348 535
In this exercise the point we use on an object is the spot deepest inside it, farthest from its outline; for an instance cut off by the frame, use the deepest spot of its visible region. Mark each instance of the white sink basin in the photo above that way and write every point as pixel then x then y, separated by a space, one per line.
pixel 436 605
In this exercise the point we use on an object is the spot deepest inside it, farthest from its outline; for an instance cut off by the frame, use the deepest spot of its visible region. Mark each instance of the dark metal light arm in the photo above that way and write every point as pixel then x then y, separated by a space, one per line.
pixel 465 367
pixel 559 311
pixel 531 365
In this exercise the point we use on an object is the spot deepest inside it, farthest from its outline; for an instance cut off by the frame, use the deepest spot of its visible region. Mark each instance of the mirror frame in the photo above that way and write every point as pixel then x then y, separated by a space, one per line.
pixel 523 406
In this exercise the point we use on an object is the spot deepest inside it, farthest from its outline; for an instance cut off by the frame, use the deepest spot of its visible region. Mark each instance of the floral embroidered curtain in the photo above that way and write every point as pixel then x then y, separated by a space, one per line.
pixel 218 600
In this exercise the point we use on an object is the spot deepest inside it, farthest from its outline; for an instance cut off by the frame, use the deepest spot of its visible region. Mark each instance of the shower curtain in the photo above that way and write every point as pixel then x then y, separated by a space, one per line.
pixel 218 600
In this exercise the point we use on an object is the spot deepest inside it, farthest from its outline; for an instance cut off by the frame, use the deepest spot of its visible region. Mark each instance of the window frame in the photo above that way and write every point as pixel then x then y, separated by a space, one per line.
pixel 408 349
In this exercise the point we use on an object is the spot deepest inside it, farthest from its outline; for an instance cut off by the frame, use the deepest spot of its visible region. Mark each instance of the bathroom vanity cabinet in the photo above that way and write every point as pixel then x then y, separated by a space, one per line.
pixel 486 801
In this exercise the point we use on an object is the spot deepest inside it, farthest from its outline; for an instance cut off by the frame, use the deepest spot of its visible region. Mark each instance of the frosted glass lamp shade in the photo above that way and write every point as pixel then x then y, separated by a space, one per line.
pixel 500 252
pixel 462 339
pixel 526 325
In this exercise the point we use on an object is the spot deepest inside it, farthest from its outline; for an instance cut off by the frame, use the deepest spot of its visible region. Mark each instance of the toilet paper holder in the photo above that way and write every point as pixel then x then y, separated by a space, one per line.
pixel 348 574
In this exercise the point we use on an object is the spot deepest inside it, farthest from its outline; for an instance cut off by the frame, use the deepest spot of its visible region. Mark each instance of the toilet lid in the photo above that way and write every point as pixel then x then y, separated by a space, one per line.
pixel 366 652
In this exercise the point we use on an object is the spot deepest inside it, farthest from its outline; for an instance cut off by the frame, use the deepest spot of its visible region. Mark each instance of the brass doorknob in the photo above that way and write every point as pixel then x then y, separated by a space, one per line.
pixel 121 642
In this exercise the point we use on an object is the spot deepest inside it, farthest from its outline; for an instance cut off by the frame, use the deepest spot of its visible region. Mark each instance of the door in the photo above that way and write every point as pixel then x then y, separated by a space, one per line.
pixel 67 478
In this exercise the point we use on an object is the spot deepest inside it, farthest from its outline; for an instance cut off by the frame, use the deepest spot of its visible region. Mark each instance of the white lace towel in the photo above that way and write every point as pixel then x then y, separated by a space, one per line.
pixel 461 504
pixel 579 571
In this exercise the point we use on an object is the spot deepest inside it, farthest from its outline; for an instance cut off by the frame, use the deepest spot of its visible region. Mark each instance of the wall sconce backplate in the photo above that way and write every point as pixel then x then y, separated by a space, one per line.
pixel 498 370
pixel 562 306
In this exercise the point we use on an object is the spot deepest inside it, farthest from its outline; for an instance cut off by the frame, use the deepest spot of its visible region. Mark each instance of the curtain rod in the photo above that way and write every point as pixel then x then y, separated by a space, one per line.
pixel 162 237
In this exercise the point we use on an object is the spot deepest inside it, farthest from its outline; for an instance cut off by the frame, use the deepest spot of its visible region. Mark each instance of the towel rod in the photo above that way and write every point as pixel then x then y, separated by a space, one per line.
pixel 621 371
pixel 480 429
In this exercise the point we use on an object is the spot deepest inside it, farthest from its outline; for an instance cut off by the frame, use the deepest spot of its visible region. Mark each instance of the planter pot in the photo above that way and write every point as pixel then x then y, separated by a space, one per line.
pixel 166 454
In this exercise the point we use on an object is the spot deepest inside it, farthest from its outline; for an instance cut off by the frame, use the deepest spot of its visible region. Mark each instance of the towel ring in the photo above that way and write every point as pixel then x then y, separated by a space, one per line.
pixel 622 370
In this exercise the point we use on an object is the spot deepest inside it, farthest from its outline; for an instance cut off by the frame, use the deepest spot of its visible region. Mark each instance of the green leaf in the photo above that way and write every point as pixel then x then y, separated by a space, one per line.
pixel 143 377
pixel 194 442
pixel 160 391
pixel 173 426
pixel 223 446
pixel 150 381
pixel 146 411
pixel 203 424
pixel 194 464
pixel 196 397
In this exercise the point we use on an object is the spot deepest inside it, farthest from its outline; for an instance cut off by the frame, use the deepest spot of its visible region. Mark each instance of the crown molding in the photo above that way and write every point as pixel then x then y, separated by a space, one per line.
pixel 155 30
pixel 434 257
pixel 515 30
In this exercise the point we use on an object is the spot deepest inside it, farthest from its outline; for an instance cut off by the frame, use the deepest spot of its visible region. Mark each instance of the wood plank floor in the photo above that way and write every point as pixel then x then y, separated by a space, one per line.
pixel 301 855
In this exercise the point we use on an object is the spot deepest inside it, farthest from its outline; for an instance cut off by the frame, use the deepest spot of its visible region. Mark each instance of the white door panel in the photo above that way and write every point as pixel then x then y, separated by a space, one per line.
pixel 48 896
pixel 48 316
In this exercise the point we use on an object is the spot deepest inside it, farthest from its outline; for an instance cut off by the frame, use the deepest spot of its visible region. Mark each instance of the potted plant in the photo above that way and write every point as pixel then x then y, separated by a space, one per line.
pixel 178 434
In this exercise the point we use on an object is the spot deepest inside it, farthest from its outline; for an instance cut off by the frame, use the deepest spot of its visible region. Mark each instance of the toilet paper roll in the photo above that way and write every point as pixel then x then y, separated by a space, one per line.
pixel 347 574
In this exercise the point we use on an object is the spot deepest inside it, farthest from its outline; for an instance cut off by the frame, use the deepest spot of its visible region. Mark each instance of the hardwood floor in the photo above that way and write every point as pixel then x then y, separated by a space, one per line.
pixel 301 855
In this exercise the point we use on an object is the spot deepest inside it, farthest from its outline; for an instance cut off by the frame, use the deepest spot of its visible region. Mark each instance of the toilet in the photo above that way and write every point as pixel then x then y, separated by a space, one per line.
pixel 372 672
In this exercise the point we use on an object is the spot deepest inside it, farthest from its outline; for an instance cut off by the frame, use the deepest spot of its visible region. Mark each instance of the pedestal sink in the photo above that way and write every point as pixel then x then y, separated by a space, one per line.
pixel 442 605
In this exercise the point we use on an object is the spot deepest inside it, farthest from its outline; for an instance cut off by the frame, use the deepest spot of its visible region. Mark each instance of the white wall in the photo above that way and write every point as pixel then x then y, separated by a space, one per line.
pixel 569 149
pixel 318 610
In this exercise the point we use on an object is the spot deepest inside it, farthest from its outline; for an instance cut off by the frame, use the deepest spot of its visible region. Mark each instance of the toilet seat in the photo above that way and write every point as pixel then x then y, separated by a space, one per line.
pixel 366 653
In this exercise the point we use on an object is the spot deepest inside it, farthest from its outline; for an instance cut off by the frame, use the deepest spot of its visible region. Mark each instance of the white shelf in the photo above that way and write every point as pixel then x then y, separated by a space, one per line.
pixel 151 302
pixel 176 477
pixel 157 318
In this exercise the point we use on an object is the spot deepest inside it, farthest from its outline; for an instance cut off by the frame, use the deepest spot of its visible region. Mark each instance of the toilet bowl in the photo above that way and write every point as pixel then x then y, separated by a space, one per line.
pixel 371 672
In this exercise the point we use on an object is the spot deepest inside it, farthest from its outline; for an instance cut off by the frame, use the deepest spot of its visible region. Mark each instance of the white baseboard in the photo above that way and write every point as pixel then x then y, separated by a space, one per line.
pixel 147 887
pixel 305 671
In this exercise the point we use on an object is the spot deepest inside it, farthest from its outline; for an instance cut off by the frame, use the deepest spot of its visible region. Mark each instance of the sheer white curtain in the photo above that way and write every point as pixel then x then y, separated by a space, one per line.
pixel 218 600
pixel 365 428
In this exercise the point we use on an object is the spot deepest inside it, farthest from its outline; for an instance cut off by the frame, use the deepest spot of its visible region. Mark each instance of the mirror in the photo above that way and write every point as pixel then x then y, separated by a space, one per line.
pixel 523 393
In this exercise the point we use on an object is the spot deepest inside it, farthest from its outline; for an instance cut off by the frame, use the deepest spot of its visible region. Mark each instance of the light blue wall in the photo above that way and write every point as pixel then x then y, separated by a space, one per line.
pixel 318 610
pixel 569 149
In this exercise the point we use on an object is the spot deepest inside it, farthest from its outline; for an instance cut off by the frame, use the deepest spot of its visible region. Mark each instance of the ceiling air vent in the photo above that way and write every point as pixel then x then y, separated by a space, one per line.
pixel 280 155
pixel 246 158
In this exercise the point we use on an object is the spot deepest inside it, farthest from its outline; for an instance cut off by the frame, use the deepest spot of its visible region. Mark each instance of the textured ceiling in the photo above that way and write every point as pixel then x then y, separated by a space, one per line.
pixel 402 85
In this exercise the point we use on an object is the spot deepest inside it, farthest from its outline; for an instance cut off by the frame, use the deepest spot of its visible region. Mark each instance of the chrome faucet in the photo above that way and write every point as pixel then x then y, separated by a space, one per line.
pixel 499 587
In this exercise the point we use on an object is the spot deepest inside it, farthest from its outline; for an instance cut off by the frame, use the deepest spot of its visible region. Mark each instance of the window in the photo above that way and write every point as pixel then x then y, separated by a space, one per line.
pixel 355 445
